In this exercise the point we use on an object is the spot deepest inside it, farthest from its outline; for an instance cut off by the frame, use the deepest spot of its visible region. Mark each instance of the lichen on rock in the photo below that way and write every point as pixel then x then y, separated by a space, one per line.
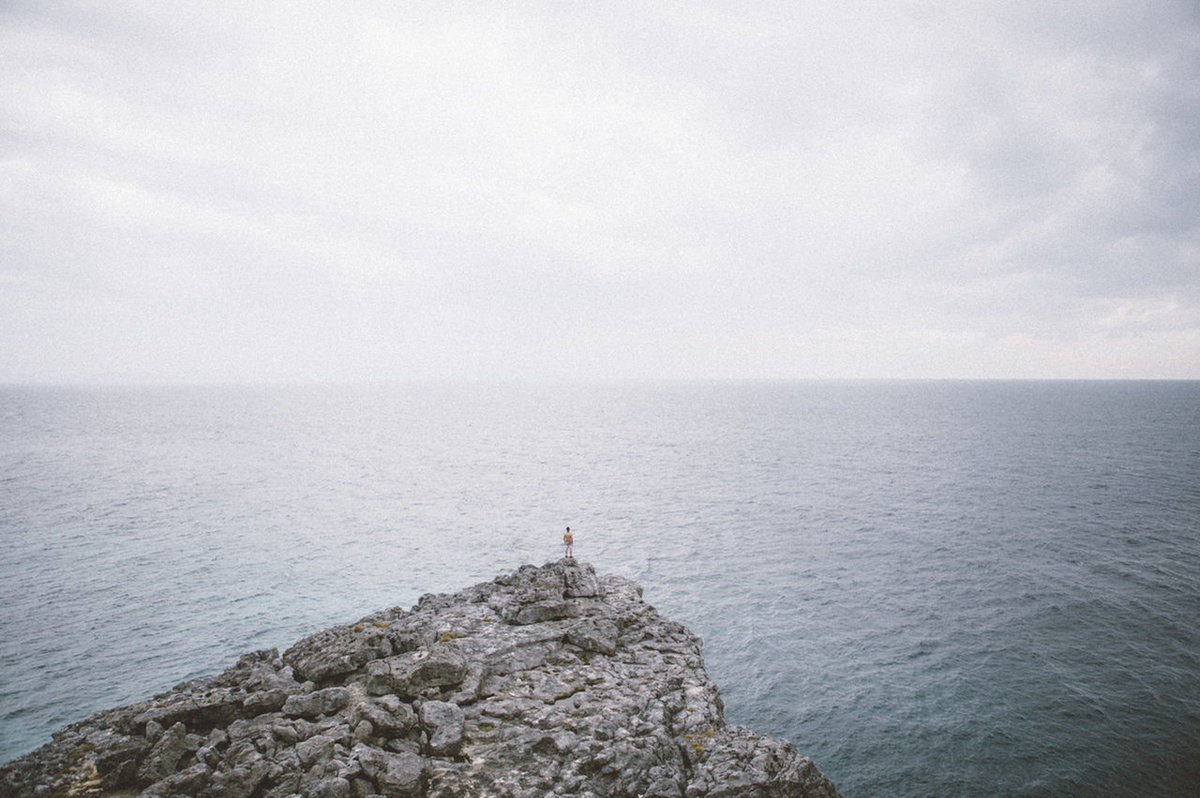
pixel 547 681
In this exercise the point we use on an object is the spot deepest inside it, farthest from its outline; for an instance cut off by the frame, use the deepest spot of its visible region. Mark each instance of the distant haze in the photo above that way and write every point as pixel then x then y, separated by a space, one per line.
pixel 266 192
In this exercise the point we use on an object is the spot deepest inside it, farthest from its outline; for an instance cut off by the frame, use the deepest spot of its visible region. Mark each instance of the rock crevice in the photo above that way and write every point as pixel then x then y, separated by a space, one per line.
pixel 546 681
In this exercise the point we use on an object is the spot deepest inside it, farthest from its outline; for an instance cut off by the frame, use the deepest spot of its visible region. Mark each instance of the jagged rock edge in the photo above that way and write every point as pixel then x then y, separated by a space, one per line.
pixel 548 680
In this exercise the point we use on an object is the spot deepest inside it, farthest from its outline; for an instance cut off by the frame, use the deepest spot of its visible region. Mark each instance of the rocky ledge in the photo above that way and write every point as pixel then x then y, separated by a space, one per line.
pixel 547 681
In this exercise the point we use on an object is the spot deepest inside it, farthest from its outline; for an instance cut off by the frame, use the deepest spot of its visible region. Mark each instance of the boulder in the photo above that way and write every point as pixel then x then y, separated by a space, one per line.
pixel 594 634
pixel 164 756
pixel 443 723
pixel 579 580
pixel 320 702
pixel 392 773
pixel 387 714
pixel 408 675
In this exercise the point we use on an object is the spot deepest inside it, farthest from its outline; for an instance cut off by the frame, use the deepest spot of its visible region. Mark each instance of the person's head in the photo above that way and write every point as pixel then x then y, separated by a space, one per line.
pixel 568 529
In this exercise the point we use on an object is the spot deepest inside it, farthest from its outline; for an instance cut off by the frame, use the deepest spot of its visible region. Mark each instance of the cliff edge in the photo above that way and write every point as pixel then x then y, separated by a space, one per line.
pixel 546 681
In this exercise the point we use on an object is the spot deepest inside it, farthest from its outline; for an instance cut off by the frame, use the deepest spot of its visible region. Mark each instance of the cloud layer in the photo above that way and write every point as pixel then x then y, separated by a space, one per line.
pixel 368 190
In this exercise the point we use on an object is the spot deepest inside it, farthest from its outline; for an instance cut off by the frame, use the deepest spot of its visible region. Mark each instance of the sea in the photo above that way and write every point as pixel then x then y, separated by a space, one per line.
pixel 932 588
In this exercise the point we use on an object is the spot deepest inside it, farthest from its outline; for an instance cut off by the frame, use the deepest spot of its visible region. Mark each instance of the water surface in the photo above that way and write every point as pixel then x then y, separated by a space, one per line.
pixel 932 588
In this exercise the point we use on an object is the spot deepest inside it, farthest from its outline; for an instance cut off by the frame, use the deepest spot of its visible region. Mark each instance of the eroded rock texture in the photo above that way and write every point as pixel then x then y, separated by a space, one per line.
pixel 547 681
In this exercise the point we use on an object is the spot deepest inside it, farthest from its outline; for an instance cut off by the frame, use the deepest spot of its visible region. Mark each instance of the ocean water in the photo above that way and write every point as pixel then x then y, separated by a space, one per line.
pixel 932 588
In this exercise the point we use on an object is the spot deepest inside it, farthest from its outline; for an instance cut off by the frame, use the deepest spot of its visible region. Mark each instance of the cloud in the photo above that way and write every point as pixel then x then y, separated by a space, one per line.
pixel 362 190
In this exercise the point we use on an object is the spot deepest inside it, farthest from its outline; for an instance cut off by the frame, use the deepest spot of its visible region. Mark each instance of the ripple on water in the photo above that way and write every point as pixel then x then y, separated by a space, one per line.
pixel 933 589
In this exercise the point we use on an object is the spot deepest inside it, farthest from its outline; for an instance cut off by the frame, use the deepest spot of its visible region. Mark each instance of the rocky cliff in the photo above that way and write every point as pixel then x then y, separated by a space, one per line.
pixel 547 681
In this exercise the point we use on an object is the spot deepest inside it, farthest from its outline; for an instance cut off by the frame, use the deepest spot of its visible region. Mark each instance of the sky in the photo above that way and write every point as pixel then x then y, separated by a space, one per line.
pixel 288 192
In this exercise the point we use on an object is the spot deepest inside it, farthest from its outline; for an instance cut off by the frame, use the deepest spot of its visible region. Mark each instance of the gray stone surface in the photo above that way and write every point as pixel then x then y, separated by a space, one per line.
pixel 319 702
pixel 443 725
pixel 546 681
pixel 399 773
pixel 164 755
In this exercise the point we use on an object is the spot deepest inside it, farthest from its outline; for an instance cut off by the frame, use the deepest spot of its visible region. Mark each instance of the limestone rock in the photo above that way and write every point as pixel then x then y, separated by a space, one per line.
pixel 548 680
pixel 443 722
pixel 393 773
pixel 164 756
pixel 408 675
pixel 264 701
pixel 387 714
pixel 581 583
pixel 594 634
pixel 335 787
pixel 340 650
pixel 321 702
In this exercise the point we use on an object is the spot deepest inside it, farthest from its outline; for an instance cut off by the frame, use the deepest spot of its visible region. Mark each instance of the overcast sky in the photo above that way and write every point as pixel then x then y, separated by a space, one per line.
pixel 216 192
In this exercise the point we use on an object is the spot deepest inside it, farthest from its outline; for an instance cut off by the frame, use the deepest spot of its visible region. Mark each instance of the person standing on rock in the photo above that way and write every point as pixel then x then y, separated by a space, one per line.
pixel 569 543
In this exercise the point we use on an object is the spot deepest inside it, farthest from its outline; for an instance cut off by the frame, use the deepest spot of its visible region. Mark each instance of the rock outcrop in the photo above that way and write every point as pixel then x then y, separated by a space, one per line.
pixel 547 681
